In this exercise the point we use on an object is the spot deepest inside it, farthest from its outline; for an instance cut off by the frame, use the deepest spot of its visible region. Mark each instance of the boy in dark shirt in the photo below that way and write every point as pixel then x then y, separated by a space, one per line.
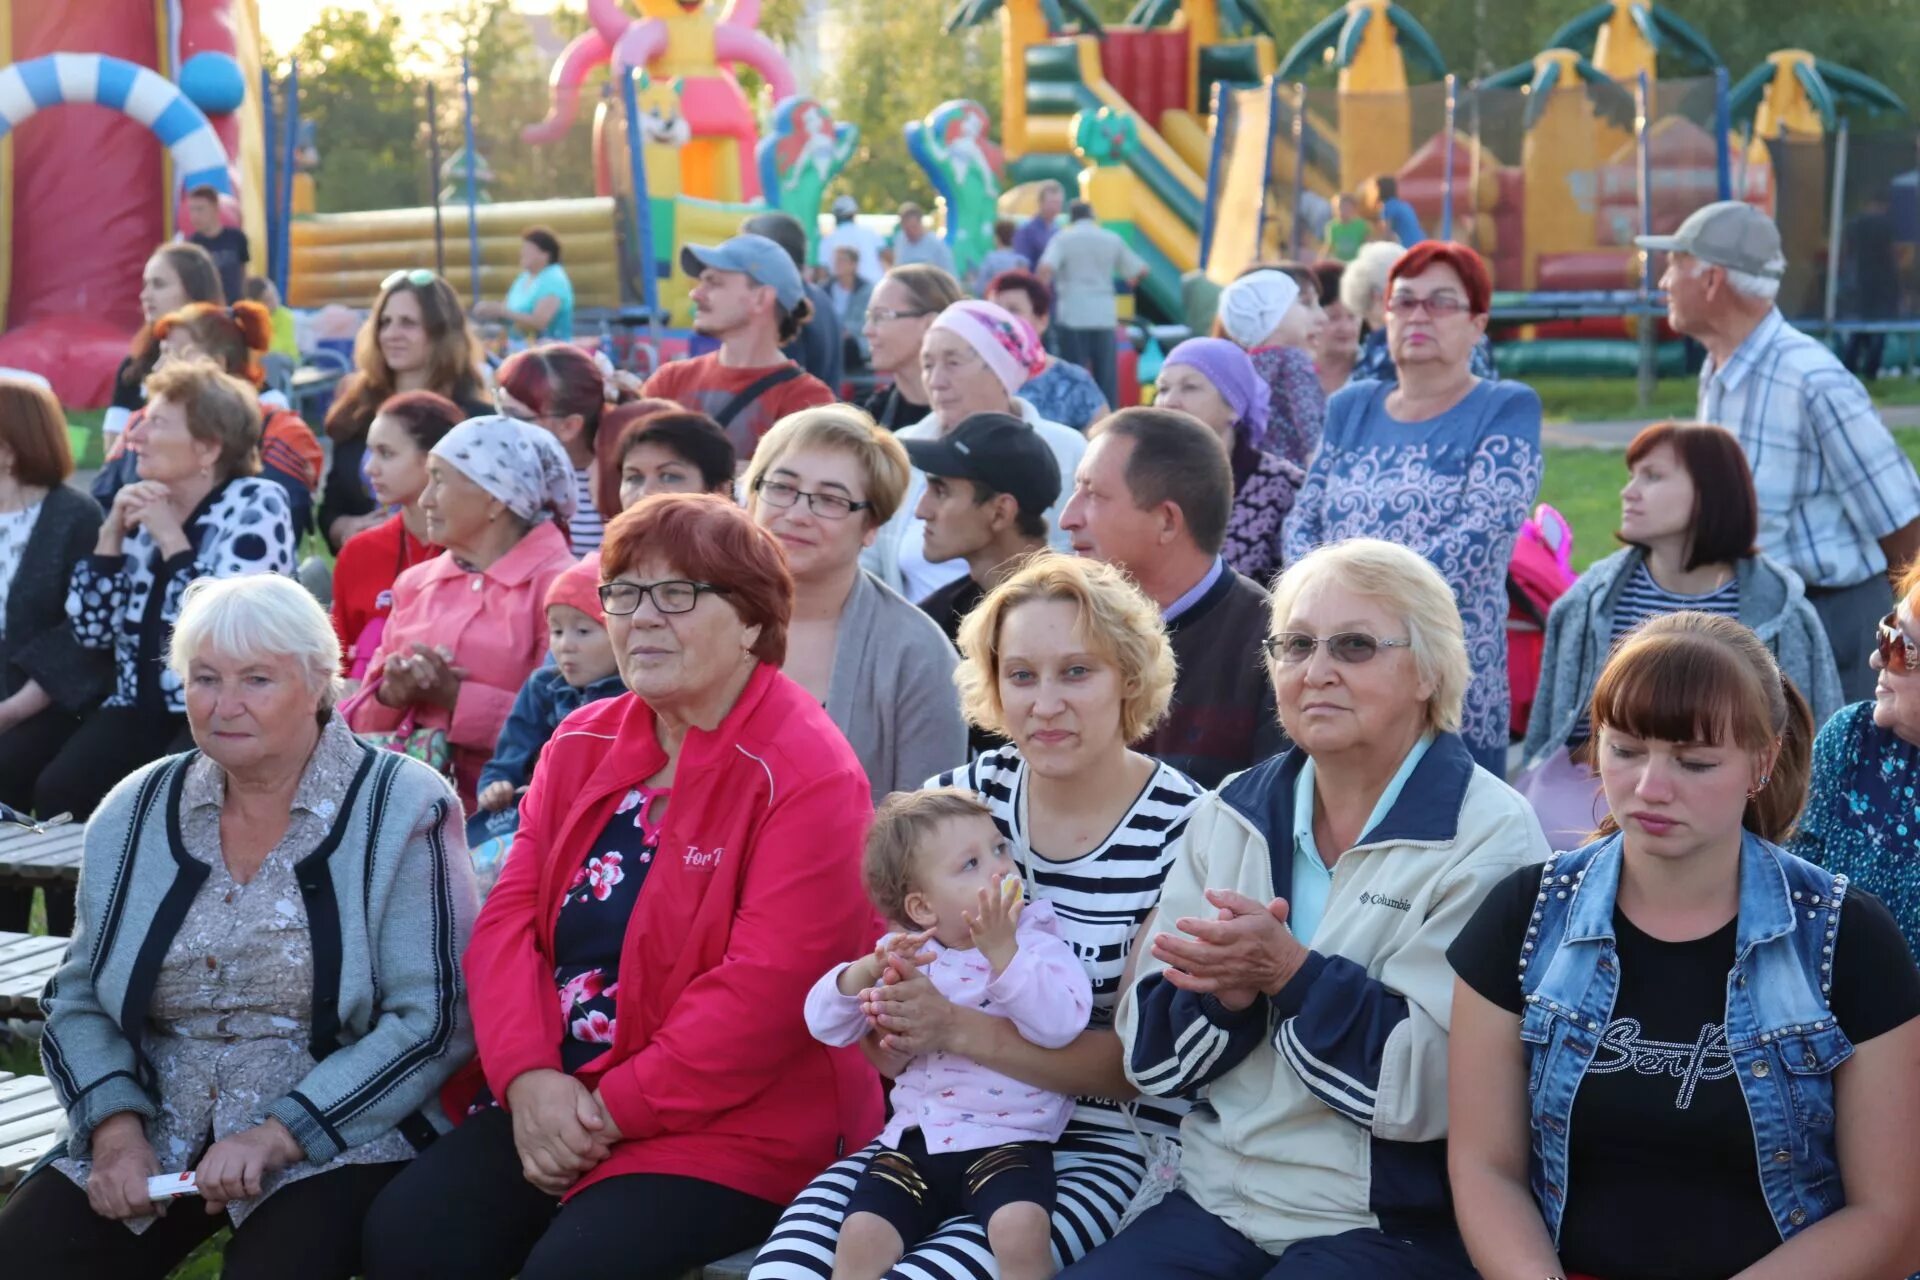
pixel 227 246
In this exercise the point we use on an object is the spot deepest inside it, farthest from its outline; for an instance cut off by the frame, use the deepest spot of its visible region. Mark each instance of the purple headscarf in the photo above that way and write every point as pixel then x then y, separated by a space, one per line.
pixel 1227 367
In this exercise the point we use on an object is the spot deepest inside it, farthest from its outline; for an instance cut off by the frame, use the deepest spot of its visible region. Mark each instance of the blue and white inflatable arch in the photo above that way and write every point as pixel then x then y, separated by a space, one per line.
pixel 198 156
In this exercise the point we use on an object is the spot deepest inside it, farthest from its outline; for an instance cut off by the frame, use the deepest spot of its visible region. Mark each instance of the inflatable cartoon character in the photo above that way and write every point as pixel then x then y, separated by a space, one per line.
pixel 967 169
pixel 800 155
pixel 1104 137
pixel 680 39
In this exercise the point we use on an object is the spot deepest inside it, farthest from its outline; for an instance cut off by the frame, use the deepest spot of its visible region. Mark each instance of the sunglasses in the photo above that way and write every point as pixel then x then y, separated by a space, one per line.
pixel 1899 652
pixel 1350 647
pixel 419 278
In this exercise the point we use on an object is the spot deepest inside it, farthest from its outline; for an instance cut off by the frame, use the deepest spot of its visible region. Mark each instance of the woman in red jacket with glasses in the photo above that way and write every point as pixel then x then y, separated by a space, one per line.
pixel 688 862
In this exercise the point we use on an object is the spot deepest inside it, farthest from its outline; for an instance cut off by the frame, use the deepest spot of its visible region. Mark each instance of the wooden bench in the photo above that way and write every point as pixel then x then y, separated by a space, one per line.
pixel 734 1268
pixel 26 962
pixel 30 1120
pixel 34 861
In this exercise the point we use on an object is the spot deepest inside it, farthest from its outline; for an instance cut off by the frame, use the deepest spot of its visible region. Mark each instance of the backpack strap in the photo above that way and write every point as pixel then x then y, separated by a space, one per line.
pixel 753 391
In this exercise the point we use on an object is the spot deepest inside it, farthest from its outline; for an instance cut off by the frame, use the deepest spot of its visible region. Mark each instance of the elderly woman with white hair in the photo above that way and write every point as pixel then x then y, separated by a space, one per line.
pixel 467 627
pixel 1364 287
pixel 1298 975
pixel 974 359
pixel 261 1000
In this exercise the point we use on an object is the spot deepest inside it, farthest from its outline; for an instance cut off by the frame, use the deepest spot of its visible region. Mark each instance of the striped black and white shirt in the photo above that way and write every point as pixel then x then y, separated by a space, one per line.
pixel 1641 598
pixel 588 527
pixel 1102 897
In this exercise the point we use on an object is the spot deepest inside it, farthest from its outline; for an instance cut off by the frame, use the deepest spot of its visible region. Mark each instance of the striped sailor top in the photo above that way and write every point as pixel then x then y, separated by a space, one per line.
pixel 1101 898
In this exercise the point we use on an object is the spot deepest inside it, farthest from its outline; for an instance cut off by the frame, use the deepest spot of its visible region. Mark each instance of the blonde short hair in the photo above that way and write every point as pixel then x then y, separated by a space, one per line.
pixel 1412 588
pixel 1367 274
pixel 1118 620
pixel 258 615
pixel 901 827
pixel 846 429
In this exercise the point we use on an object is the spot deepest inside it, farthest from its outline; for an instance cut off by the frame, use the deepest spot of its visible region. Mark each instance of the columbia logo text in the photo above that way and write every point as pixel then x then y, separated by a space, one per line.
pixel 1382 900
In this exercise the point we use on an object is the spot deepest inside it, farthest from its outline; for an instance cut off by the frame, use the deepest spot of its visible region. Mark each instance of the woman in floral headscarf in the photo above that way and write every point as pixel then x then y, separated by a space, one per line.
pixel 1216 382
pixel 467 627
pixel 974 359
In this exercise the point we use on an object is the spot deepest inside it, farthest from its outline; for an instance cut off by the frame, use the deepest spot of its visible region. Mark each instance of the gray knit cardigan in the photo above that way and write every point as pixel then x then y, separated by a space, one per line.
pixel 1773 604
pixel 390 902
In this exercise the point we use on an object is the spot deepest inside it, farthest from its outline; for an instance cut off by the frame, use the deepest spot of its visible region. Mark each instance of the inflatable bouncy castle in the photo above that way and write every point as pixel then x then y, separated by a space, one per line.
pixel 110 111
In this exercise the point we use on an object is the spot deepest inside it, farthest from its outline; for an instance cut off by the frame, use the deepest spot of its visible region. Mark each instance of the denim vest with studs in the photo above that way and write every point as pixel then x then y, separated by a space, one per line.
pixel 1782 1038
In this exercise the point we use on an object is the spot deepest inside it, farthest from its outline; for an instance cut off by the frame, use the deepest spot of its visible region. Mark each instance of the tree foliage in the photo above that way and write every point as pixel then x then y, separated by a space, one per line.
pixel 367 120
pixel 895 65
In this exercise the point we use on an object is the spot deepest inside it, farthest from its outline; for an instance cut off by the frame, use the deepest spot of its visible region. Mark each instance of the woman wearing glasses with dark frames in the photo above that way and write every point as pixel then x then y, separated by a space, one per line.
pixel 1863 810
pixel 1444 462
pixel 898 315
pixel 415 339
pixel 823 482
pixel 687 859
pixel 1298 971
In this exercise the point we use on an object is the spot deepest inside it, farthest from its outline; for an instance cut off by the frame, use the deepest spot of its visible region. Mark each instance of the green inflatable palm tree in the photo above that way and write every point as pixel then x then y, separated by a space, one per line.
pixel 1341 31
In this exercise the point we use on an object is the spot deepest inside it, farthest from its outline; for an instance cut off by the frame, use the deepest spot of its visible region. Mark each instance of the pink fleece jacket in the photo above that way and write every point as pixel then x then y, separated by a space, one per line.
pixel 957 1104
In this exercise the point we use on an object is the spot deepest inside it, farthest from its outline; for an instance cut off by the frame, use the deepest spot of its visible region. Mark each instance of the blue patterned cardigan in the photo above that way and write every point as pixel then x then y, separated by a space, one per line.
pixel 1455 488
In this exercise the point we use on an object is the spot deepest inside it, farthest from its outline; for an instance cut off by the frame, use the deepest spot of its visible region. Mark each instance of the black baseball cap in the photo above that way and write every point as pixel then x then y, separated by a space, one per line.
pixel 997 450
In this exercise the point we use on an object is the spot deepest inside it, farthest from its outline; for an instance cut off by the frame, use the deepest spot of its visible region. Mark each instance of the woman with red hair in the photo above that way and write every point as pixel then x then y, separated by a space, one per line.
pixel 688 860
pixel 562 388
pixel 1443 461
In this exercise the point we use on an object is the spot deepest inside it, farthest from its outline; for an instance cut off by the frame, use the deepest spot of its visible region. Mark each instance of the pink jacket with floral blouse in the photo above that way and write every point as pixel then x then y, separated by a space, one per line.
pixel 494 620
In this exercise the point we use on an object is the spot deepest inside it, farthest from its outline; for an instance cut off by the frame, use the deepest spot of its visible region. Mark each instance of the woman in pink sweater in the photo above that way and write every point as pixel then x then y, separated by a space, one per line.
pixel 467 627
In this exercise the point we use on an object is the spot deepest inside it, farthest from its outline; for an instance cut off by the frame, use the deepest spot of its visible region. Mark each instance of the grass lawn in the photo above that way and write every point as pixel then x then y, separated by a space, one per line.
pixel 1585 485
pixel 1617 400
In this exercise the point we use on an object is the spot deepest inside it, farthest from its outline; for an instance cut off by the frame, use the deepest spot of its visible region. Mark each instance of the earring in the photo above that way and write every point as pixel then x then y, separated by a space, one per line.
pixel 1765 778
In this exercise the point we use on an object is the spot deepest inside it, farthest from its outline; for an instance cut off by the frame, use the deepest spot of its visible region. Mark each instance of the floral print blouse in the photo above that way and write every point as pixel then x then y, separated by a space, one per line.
pixel 1254 545
pixel 592 928
pixel 1863 812
pixel 1298 410
pixel 232 1013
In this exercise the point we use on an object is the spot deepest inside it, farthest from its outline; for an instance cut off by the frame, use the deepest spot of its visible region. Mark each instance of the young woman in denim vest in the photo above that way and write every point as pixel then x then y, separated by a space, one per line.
pixel 1680 1051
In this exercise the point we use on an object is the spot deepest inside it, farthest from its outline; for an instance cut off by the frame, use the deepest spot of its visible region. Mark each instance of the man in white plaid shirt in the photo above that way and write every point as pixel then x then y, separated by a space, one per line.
pixel 1839 501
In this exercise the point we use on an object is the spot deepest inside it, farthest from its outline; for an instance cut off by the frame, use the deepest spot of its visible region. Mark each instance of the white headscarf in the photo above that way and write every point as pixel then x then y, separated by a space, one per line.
pixel 520 463
pixel 1253 306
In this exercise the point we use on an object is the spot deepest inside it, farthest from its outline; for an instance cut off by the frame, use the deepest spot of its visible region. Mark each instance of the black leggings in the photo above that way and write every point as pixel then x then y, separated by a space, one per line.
pixel 108 745
pixel 307 1230
pixel 464 1209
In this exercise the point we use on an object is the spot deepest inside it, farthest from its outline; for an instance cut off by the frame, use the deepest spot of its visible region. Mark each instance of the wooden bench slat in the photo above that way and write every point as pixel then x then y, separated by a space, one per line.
pixel 17 1159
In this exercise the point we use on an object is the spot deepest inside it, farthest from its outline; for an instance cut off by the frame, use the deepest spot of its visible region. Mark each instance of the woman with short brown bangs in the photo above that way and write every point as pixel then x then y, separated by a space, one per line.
pixel 688 861
pixel 1682 1014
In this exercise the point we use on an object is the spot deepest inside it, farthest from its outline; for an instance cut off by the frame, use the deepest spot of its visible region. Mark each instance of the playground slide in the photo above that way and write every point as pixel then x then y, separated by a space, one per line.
pixel 1063 79
pixel 342 257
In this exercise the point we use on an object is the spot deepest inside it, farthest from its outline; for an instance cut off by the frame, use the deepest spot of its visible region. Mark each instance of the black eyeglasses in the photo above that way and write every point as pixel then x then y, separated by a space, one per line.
pixel 1898 650
pixel 828 506
pixel 1350 647
pixel 880 315
pixel 675 595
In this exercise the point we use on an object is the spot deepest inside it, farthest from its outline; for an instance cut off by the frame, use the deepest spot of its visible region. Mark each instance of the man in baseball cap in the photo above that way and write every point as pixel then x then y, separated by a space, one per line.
pixel 989 483
pixel 847 233
pixel 1839 501
pixel 747 294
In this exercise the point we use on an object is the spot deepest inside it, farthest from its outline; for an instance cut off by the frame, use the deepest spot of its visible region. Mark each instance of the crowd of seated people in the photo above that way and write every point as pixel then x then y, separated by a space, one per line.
pixel 930 838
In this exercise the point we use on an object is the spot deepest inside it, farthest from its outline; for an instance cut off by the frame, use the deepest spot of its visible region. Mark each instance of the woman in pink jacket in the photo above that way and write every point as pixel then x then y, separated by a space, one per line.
pixel 688 860
pixel 467 627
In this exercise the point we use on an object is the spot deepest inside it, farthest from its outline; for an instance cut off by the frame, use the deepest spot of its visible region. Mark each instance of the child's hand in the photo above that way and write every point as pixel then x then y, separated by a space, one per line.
pixel 496 796
pixel 992 926
pixel 868 970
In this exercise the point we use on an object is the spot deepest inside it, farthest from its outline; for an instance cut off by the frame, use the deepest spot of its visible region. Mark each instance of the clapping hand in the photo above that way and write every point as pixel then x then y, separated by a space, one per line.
pixel 1243 952
pixel 427 676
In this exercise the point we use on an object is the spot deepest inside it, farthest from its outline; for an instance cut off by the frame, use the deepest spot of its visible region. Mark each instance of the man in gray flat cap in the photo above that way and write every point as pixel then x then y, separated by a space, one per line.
pixel 1839 501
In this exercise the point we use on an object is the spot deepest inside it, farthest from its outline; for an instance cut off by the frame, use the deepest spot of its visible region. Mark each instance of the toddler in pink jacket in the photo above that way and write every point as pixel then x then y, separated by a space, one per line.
pixel 963 1138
